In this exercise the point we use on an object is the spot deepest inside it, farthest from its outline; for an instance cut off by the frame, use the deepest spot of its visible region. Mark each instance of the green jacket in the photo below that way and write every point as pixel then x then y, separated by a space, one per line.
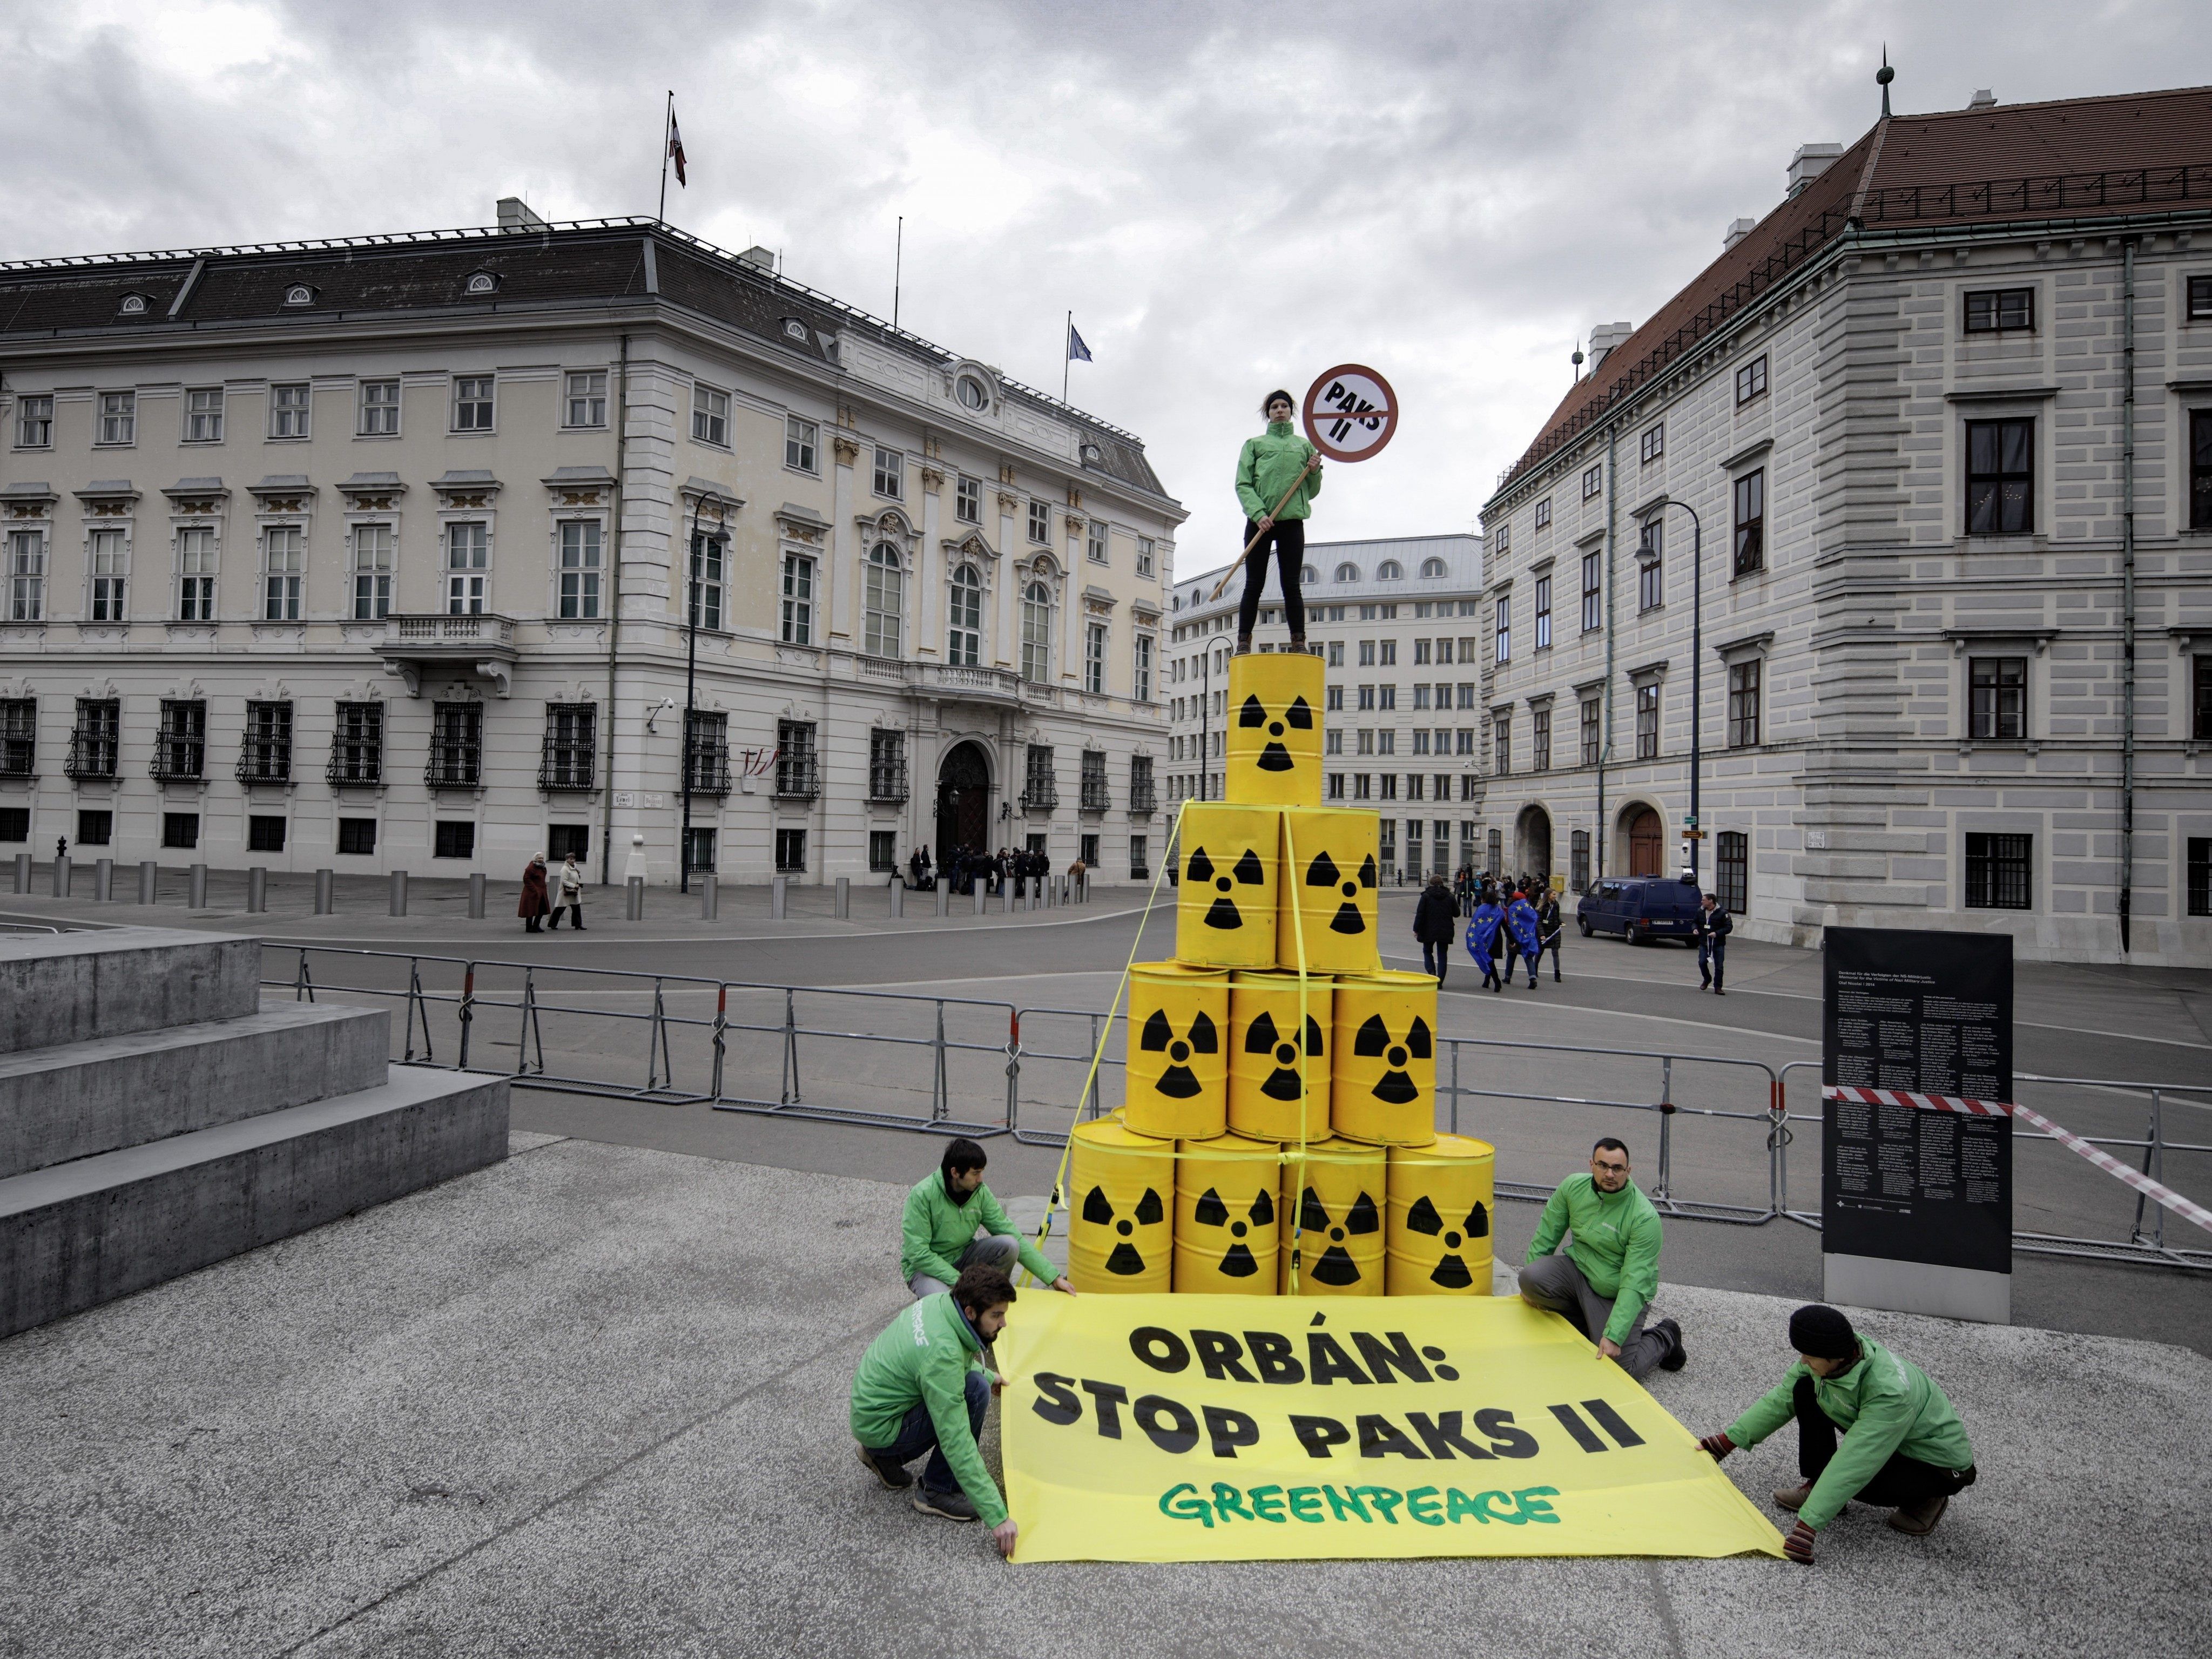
pixel 1616 1244
pixel 923 1358
pixel 936 1230
pixel 1884 1405
pixel 1266 468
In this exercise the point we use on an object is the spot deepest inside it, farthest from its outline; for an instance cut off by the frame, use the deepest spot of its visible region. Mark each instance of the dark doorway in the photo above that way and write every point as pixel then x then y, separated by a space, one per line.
pixel 1644 842
pixel 964 800
pixel 1533 857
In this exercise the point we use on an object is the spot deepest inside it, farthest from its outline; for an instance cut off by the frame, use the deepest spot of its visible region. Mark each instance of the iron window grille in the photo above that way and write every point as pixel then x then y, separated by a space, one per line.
pixel 1141 802
pixel 706 753
pixel 266 754
pixel 791 851
pixel 456 746
pixel 1997 872
pixel 797 772
pixel 96 739
pixel 887 766
pixel 180 747
pixel 1998 698
pixel 570 758
pixel 19 737
pixel 1040 793
pixel 1095 798
pixel 356 747
pixel 1751 522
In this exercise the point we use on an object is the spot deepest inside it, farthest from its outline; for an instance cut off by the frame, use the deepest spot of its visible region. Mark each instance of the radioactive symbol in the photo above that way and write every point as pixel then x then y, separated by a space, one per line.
pixel 1323 873
pixel 1248 871
pixel 1098 1210
pixel 1299 717
pixel 1450 1271
pixel 1283 1083
pixel 1395 1088
pixel 1336 1266
pixel 1176 1080
pixel 1236 1262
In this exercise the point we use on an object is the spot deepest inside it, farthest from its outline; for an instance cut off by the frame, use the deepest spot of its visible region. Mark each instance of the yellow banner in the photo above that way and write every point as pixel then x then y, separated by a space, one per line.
pixel 1192 1428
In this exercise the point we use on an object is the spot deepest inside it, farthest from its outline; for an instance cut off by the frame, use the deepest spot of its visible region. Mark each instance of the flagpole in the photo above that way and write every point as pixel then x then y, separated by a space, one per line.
pixel 667 117
pixel 1067 353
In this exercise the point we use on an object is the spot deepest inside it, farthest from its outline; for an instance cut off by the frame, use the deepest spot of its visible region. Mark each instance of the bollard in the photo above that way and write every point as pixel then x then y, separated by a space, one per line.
pixel 983 895
pixel 844 897
pixel 898 895
pixel 22 872
pixel 62 878
pixel 778 889
pixel 710 899
pixel 944 896
pixel 325 893
pixel 477 896
pixel 633 900
pixel 103 880
pixel 196 888
pixel 149 882
pixel 257 889
pixel 398 892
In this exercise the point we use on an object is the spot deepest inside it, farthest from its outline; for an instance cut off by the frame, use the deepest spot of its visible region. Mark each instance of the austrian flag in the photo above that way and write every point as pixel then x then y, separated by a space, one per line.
pixel 675 144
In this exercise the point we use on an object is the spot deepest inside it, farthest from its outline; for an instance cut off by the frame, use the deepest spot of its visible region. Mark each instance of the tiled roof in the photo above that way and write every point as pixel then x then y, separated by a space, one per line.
pixel 2078 159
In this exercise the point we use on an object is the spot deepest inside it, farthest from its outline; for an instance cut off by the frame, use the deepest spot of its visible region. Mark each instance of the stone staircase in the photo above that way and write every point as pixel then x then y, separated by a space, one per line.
pixel 157 1115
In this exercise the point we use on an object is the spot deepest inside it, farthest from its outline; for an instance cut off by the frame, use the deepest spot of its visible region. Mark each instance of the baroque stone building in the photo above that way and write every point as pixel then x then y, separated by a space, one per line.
pixel 374 554
pixel 1941 423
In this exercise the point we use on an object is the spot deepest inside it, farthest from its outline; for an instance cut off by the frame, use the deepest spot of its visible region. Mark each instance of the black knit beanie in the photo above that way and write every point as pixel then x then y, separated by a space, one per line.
pixel 1823 1333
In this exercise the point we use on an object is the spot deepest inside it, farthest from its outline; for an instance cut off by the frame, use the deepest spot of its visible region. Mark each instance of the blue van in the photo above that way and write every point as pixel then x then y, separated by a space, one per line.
pixel 1641 908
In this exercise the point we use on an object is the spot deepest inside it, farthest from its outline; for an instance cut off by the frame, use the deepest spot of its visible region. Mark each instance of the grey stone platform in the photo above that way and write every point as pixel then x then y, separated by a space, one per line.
pixel 155 1116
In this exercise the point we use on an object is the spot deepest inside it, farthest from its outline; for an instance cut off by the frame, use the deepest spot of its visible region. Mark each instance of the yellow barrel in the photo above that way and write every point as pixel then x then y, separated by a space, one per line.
pixel 1274 729
pixel 1226 1221
pixel 1226 906
pixel 1119 1228
pixel 1332 886
pixel 1272 1094
pixel 1178 1068
pixel 1441 1197
pixel 1383 1077
pixel 1332 1220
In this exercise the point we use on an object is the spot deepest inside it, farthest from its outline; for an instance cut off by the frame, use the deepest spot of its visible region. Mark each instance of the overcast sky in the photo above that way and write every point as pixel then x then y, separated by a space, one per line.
pixel 1229 197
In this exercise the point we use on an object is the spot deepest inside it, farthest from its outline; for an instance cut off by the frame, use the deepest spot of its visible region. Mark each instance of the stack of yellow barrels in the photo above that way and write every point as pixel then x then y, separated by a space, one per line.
pixel 1278 1133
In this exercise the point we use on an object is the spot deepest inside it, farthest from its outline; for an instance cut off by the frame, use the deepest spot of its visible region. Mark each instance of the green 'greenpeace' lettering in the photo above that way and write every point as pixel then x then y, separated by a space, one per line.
pixel 1430 1506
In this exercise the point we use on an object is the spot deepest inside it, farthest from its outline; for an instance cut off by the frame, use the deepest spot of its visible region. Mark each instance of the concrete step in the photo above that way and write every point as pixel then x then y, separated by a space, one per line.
pixel 78 1234
pixel 84 1098
pixel 73 988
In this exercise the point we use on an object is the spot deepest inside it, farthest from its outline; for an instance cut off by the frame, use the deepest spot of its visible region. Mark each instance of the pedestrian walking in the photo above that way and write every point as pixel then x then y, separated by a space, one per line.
pixel 1526 936
pixel 567 895
pixel 532 908
pixel 1549 924
pixel 1277 475
pixel 1433 917
pixel 1714 925
pixel 1482 931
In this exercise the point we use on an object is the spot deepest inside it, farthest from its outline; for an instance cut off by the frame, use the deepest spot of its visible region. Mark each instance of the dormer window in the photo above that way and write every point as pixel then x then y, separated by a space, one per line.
pixel 134 305
pixel 1092 455
pixel 971 392
pixel 483 282
pixel 299 295
pixel 795 330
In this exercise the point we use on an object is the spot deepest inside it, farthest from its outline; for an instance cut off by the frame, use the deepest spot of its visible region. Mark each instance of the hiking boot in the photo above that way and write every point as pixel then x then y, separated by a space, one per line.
pixel 1919 1519
pixel 894 1477
pixel 1793 1498
pixel 1243 645
pixel 1674 1360
pixel 952 1505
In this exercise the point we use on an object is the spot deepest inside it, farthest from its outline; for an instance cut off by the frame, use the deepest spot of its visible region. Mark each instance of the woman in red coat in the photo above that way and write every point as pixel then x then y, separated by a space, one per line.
pixel 533 905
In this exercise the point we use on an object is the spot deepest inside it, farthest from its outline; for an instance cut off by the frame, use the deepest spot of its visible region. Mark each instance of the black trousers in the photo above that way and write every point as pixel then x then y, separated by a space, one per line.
pixel 1900 1481
pixel 1287 537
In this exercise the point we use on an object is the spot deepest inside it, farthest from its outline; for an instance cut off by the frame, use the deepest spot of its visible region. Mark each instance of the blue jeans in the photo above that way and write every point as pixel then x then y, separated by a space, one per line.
pixel 918 1434
pixel 1712 957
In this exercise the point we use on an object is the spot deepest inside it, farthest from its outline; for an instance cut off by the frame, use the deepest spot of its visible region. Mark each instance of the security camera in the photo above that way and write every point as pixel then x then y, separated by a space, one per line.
pixel 662 708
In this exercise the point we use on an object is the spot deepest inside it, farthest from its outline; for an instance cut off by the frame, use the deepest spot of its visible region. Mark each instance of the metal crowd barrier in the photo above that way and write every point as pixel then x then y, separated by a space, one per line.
pixel 840 1056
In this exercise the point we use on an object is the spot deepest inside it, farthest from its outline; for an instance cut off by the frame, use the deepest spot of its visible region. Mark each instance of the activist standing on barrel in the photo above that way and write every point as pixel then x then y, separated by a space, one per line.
pixel 1605 1280
pixel 1277 475
pixel 1903 1448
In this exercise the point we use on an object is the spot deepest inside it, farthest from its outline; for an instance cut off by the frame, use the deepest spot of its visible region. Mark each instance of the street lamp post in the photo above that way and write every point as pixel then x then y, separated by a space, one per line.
pixel 1696 826
pixel 690 697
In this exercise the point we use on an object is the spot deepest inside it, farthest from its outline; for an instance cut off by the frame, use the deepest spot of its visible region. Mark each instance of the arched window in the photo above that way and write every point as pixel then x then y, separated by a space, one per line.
pixel 1388 571
pixel 966 647
pixel 1037 633
pixel 1347 572
pixel 1432 566
pixel 1308 576
pixel 883 602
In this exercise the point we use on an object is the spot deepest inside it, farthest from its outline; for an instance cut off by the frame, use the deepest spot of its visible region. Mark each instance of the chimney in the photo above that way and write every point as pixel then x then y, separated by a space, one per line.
pixel 759 258
pixel 1983 99
pixel 514 214
pixel 1810 162
pixel 1737 230
pixel 1603 339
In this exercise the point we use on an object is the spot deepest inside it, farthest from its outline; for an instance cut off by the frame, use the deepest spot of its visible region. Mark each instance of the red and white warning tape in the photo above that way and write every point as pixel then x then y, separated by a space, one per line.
pixel 2183 1207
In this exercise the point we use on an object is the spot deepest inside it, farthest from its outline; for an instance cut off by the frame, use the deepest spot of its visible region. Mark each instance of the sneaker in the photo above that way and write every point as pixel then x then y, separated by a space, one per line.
pixel 1919 1519
pixel 952 1505
pixel 1793 1498
pixel 1674 1358
pixel 894 1477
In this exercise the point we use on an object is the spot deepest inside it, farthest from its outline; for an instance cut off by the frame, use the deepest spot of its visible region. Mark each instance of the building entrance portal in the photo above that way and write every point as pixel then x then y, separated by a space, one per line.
pixel 1532 853
pixel 964 800
pixel 1646 841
